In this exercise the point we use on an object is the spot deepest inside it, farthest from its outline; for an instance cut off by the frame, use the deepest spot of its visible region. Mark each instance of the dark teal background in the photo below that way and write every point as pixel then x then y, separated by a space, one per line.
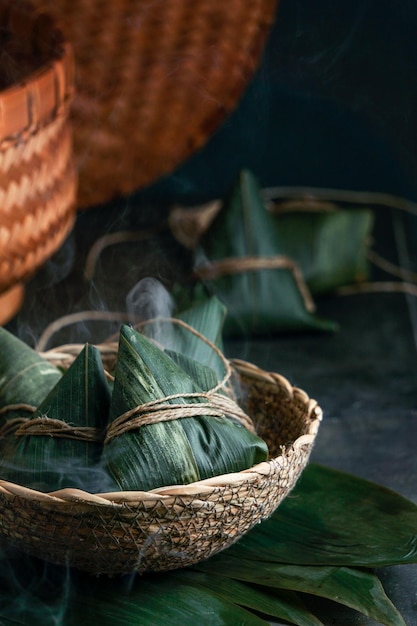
pixel 333 104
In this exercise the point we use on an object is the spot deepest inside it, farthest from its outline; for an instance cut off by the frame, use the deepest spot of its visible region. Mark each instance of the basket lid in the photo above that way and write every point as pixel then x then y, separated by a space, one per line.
pixel 153 82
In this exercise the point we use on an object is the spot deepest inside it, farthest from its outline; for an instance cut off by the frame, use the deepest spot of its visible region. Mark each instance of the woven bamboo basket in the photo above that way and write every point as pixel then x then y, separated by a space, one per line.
pixel 37 174
pixel 174 526
pixel 153 82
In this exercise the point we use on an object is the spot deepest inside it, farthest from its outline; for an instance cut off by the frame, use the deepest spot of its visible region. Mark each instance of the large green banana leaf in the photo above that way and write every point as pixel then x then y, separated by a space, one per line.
pixel 333 518
pixel 183 597
pixel 359 590
pixel 238 586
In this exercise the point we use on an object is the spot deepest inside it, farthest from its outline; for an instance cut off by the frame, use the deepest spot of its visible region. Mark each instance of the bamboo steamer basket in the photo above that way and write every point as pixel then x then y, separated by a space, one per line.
pixel 175 526
pixel 153 82
pixel 37 173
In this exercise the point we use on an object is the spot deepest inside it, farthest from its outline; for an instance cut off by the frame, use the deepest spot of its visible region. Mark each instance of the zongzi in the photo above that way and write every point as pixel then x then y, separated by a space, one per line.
pixel 25 377
pixel 240 260
pixel 164 429
pixel 60 446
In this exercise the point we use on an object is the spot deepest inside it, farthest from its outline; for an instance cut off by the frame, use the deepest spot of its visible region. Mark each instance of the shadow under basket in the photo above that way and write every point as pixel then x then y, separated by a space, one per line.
pixel 176 526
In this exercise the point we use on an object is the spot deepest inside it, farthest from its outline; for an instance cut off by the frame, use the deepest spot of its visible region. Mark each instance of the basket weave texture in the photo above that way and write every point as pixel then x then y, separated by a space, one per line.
pixel 153 81
pixel 37 173
pixel 175 526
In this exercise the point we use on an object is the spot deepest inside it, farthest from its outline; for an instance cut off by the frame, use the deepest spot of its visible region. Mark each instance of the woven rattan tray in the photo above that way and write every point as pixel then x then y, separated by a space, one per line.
pixel 37 174
pixel 170 527
pixel 153 81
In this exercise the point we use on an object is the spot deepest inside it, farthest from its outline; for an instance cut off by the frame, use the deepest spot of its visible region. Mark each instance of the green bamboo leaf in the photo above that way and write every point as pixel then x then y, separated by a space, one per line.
pixel 157 602
pixel 179 451
pixel 147 457
pixel 220 435
pixel 244 216
pixel 61 443
pixel 202 375
pixel 333 518
pixel 257 300
pixel 330 247
pixel 359 590
pixel 278 603
pixel 25 377
pixel 207 317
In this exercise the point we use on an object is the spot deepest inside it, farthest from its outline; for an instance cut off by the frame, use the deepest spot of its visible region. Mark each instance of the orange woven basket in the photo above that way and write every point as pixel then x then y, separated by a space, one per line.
pixel 37 174
pixel 153 81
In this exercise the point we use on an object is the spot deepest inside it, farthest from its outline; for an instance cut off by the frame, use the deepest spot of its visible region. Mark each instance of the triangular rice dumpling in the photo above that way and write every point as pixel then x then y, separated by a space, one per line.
pixel 240 261
pixel 25 377
pixel 179 451
pixel 61 444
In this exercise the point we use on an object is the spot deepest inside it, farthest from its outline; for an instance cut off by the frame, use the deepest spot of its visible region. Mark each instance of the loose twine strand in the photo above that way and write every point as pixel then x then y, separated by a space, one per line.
pixel 228 266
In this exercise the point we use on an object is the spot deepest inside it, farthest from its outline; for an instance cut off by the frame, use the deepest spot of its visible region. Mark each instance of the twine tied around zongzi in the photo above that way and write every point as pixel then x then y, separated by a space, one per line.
pixel 47 427
pixel 211 404
pixel 162 410
pixel 238 265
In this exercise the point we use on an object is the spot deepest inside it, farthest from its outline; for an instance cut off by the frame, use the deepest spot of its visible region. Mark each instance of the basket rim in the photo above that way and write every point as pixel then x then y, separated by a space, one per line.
pixel 70 497
pixel 40 95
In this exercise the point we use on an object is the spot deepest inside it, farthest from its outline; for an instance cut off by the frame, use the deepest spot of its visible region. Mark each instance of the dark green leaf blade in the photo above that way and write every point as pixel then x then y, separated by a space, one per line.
pixel 201 374
pixel 266 300
pixel 330 247
pixel 217 437
pixel 25 376
pixel 333 518
pixel 278 603
pixel 82 396
pixel 359 590
pixel 207 318
pixel 135 459
pixel 168 600
pixel 243 226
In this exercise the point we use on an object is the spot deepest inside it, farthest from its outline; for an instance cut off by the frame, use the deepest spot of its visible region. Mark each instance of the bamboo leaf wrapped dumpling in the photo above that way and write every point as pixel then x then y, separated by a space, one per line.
pixel 60 446
pixel 200 441
pixel 240 261
pixel 26 377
